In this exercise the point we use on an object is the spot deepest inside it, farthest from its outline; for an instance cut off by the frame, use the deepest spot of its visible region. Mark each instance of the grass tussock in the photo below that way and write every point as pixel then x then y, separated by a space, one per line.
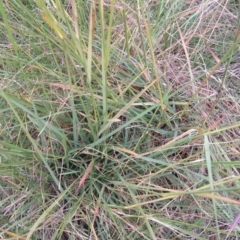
pixel 119 119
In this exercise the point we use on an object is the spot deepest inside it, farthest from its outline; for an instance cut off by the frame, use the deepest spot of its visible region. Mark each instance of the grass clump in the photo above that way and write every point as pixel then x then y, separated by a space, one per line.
pixel 119 119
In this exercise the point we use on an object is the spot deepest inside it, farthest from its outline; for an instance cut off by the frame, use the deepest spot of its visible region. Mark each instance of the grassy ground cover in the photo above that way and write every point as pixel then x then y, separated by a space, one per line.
pixel 119 119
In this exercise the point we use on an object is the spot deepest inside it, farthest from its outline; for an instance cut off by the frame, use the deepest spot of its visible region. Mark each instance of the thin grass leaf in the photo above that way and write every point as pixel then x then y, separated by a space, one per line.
pixel 210 176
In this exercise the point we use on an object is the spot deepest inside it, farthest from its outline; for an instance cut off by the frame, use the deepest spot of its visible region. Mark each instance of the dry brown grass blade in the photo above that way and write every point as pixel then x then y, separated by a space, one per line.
pixel 126 151
pixel 185 51
pixel 64 86
pixel 214 55
pixel 180 193
pixel 14 235
pixel 214 196
pixel 85 176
